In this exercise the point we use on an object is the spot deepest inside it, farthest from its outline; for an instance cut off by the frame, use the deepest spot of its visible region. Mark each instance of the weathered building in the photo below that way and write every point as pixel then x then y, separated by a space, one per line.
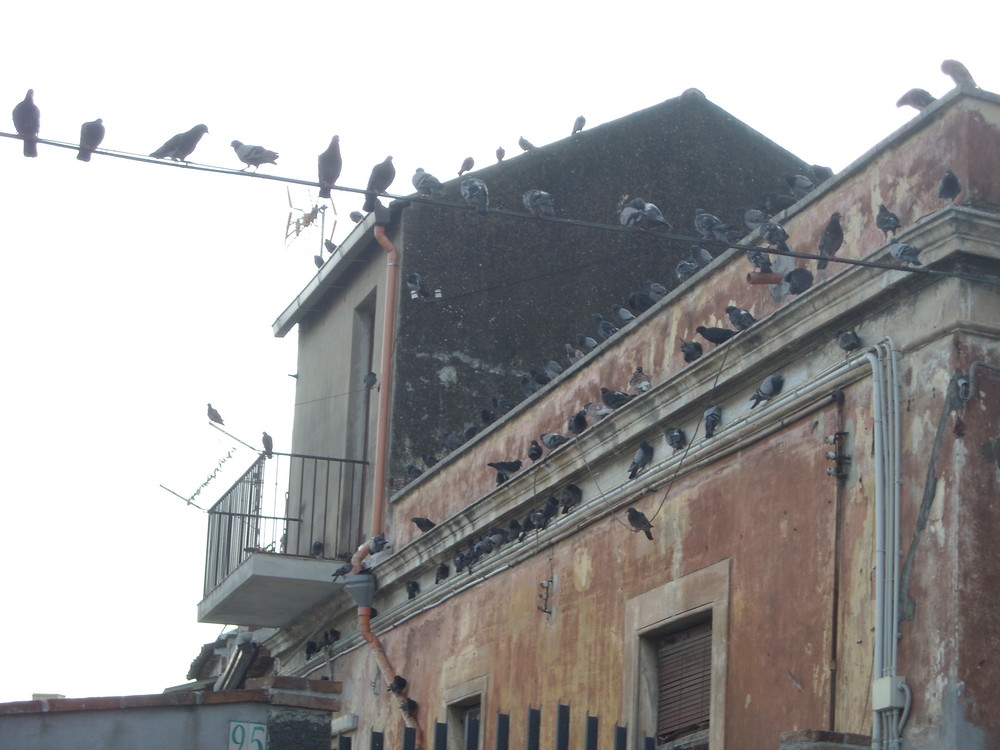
pixel 819 573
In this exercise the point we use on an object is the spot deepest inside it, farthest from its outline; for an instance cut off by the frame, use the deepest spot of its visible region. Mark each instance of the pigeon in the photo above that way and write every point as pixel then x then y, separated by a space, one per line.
pixel 700 256
pixel 268 443
pixel 424 524
pixel 578 124
pixel 820 173
pixel 475 193
pixel 640 301
pixel 848 340
pixel 656 290
pixel 570 497
pixel 710 227
pixel 534 451
pixel 427 184
pixel 624 316
pixel 179 147
pixel 949 187
pixel 488 416
pixel 379 181
pixel 253 156
pixel 330 164
pixel 676 438
pixel 502 405
pixel 214 415
pixel 539 203
pixel 573 354
pixel 916 98
pixel 641 459
pixel 528 386
pixel 639 382
pixel 318 260
pixel 798 280
pixel 958 73
pixel 638 521
pixel 27 122
pixel 441 573
pixel 691 349
pixel 641 214
pixel 504 469
pixel 777 202
pixel 586 343
pixel 542 378
pixel 467 164
pixel 525 144
pixel 752 218
pixel 91 135
pixel 429 459
pixel 552 440
pixel 686 269
pixel 470 432
pixel 412 589
pixel 774 235
pixel 760 260
pixel 831 239
pixel 500 154
pixel 886 220
pixel 412 472
pixel 799 184
pixel 715 335
pixel 552 369
pixel 615 399
pixel 713 417
pixel 605 329
pixel 317 549
pixel 740 318
pixel 908 254
pixel 330 247
pixel 450 441
pixel 369 380
pixel 767 390
pixel 578 422
pixel 596 411
pixel 356 216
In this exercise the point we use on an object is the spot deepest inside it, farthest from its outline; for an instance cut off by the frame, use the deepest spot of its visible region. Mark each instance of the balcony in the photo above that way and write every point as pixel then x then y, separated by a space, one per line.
pixel 273 544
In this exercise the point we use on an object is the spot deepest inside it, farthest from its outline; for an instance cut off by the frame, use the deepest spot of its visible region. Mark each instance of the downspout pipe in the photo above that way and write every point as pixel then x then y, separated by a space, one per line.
pixel 385 377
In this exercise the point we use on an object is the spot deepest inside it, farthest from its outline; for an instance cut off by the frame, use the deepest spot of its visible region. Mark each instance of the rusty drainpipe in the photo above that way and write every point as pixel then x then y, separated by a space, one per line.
pixel 381 451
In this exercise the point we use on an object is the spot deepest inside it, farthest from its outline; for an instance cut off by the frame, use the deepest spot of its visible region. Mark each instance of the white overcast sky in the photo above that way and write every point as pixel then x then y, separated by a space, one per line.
pixel 133 294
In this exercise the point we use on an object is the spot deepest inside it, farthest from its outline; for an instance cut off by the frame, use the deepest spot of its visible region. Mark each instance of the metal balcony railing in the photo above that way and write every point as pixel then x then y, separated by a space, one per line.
pixel 312 507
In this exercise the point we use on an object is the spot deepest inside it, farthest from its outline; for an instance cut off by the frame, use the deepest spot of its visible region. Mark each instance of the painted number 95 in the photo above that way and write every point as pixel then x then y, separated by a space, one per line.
pixel 247 735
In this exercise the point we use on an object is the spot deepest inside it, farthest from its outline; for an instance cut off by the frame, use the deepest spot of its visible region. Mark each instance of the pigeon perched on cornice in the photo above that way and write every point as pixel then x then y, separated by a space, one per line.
pixel 848 340
pixel 605 329
pixel 586 343
pixel 686 269
pixel 623 316
pixel 752 218
pixel 573 354
pixel 475 193
pixel 691 350
pixel 887 221
pixel 615 399
pixel 596 411
pixel 713 418
pixel 907 254
pixel 958 73
pixel 949 186
pixel 525 144
pixel 379 181
pixel 500 154
pixel 831 240
pixel 534 450
pixel 329 164
pixel 715 335
pixel 639 382
pixel 767 390
pixel 253 156
pixel 578 422
pixel 427 184
pixel 552 440
pixel 676 438
pixel 180 146
pixel 709 226
pixel 916 98
pixel 641 459
pixel 700 256
pixel 799 184
pixel 467 164
pixel 424 524
pixel 91 135
pixel 578 124
pixel 27 122
pixel 740 318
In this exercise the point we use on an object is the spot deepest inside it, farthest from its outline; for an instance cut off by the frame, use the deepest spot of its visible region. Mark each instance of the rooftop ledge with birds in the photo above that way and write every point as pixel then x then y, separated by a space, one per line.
pixel 781 391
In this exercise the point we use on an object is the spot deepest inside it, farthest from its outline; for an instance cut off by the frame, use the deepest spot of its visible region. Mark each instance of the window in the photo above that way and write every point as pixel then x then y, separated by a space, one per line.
pixel 684 680
pixel 465 705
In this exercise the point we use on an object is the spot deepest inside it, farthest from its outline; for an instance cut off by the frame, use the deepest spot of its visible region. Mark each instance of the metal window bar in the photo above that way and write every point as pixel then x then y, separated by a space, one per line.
pixel 502 732
pixel 440 735
pixel 621 737
pixel 471 732
pixel 562 727
pixel 590 733
pixel 378 740
pixel 409 738
pixel 534 728
pixel 304 507
pixel 344 742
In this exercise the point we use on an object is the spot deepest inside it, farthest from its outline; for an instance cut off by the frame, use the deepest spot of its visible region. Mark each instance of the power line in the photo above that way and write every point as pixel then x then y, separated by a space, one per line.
pixel 419 200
